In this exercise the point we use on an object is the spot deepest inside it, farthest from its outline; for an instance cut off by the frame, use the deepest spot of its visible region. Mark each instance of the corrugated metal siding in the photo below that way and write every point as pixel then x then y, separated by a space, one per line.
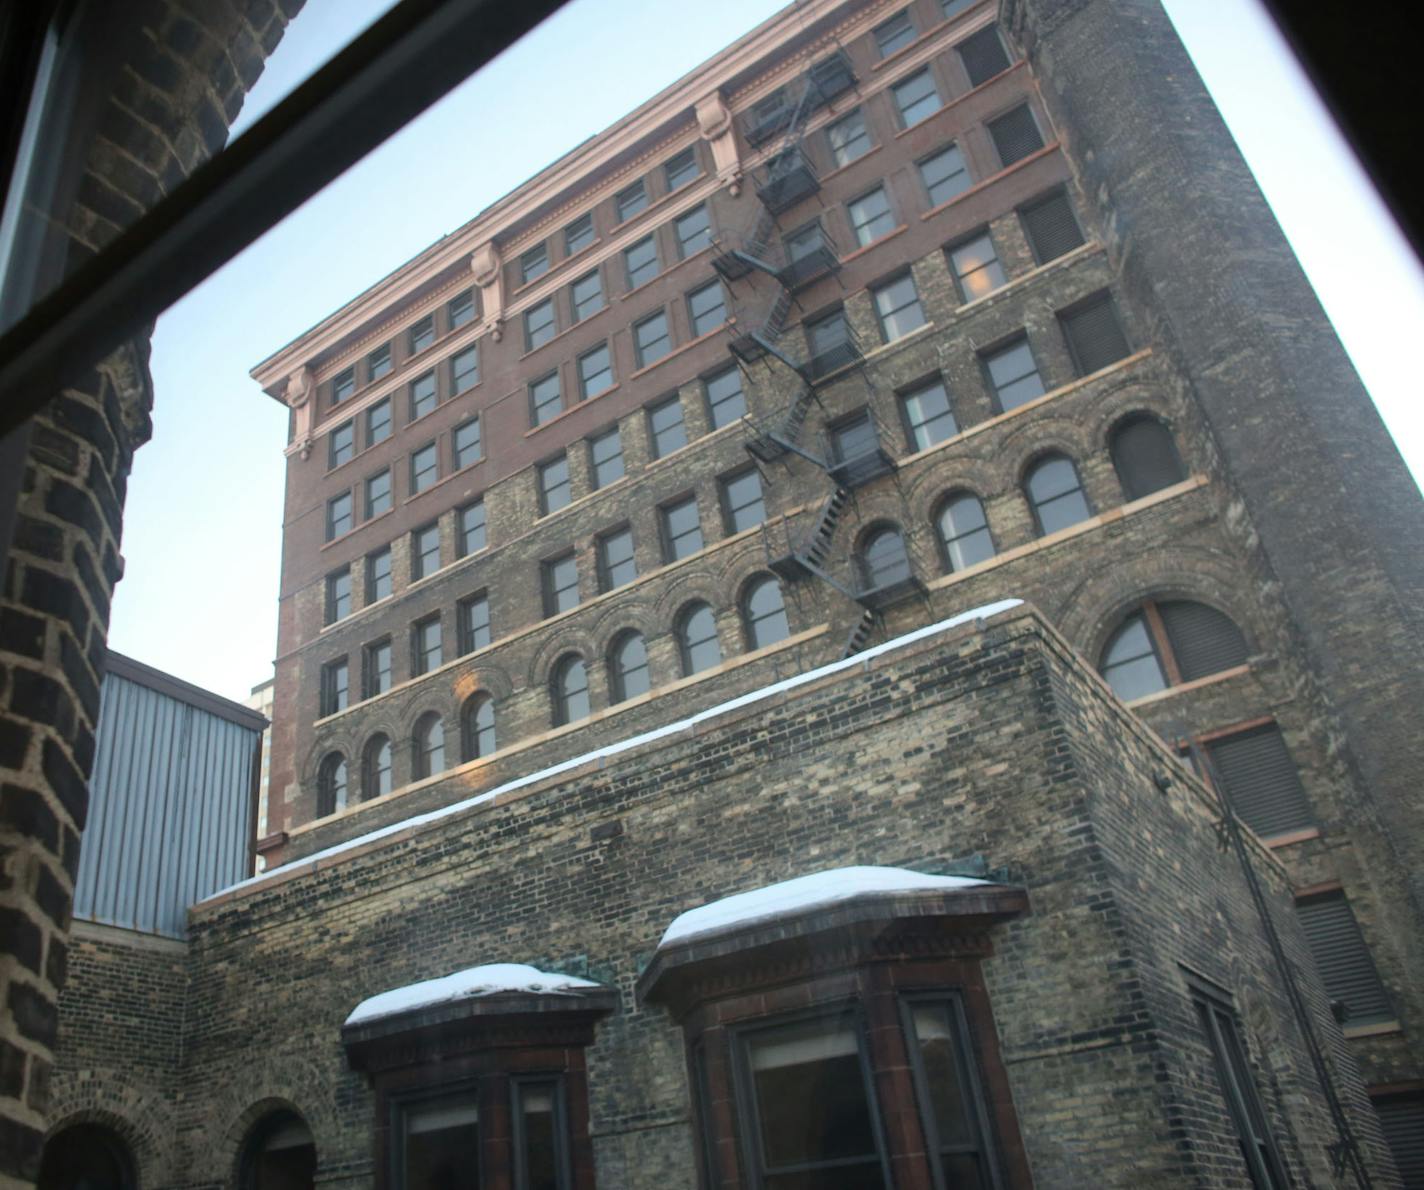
pixel 170 803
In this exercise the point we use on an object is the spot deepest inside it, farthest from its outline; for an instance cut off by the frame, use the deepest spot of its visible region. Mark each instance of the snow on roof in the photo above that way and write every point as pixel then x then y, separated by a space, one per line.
pixel 681 725
pixel 488 980
pixel 814 891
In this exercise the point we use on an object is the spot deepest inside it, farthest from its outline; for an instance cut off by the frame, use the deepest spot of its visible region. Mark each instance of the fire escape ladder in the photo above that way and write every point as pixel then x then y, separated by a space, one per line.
pixel 773 438
pixel 808 557
pixel 860 634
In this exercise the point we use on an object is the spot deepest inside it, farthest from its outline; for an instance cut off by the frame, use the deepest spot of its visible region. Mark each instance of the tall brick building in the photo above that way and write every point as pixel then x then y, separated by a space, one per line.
pixel 884 313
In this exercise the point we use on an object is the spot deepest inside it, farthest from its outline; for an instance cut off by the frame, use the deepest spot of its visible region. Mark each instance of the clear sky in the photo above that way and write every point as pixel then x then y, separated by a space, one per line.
pixel 202 533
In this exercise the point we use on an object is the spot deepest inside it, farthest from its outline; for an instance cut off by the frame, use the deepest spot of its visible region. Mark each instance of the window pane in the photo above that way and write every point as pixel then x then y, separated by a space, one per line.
pixel 1130 662
pixel 342 444
pixel 422 395
pixel 554 487
pixel 424 468
pixel 440 1143
pixel 630 201
pixel 428 652
pixel 694 231
pixel 851 439
pixel 641 261
pixel 595 371
pixel 377 678
pixel 462 309
pixel 534 263
pixel 539 1157
pixel 378 493
pixel 894 34
pixel 1057 495
pixel 916 98
pixel 545 399
pixel 945 175
pixel 1014 375
pixel 470 529
pixel 870 216
pixel 474 623
pixel 424 552
pixel 945 1071
pixel 378 575
pixel 615 559
pixel 586 295
pixel 578 234
pixel 682 530
pixel 725 400
pixel 681 169
pixel 561 585
pixel 343 385
pixel 928 416
pixel 539 326
pixel 378 363
pixel 464 369
pixel 707 308
pixel 338 516
pixel 465 442
pixel 828 333
pixel 742 498
pixel 898 305
pixel 976 268
pixel 378 422
pixel 848 138
pixel 630 667
pixel 666 428
pixel 479 729
pixel 884 560
pixel 698 640
pixel 965 532
pixel 422 334
pixel 571 691
pixel 651 339
pixel 606 455
pixel 766 614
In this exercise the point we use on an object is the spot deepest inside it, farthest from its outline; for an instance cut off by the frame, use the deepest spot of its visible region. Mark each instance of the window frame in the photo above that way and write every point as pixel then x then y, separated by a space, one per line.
pixel 347 450
pixel 713 405
pixel 634 196
pixel 371 670
pixel 418 552
pixel 582 310
pixel 694 319
pixel 886 319
pixel 574 231
pixel 423 403
pixel 379 363
pixel 946 545
pixel 373 581
pixel 837 152
pixel 585 391
pixel 640 349
pixel 651 410
pixel 685 242
pixel 730 511
pixel 910 427
pixel 964 171
pixel 904 22
pixel 423 650
pixel 458 461
pixel 538 410
pixel 667 539
pixel 382 406
pixel 987 354
pixel 927 73
pixel 857 229
pixel 548 575
pixel 464 532
pixel 637 279
pixel 460 309
pixel 606 566
pixel 369 499
pixel 542 471
pixel 335 692
pixel 675 175
pixel 1035 506
pixel 418 472
pixel 338 524
pixel 596 480
pixel 470 352
pixel 533 262
pixel 421 335
pixel 468 628
pixel 993 266
pixel 536 335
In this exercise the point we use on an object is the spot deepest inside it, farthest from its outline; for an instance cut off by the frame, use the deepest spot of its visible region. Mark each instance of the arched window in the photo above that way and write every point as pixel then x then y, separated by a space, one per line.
pixel 376 768
pixel 964 531
pixel 883 560
pixel 86 1157
pixel 1164 643
pixel 1055 493
pixel 697 643
pixel 628 667
pixel 477 727
pixel 570 690
pixel 331 785
pixel 428 746
pixel 1145 456
pixel 277 1154
pixel 764 614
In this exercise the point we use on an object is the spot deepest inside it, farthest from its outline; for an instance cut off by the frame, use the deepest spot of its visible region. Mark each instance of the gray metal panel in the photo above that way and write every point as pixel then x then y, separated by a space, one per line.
pixel 170 806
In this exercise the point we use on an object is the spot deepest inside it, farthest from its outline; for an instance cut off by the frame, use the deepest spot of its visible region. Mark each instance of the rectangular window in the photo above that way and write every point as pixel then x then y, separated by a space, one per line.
pixel 1013 374
pixel 894 34
pixel 378 363
pixel 666 429
pixel 605 455
pixel 554 487
pixel 338 595
pixel 615 559
pixel 742 504
pixel 916 98
pixel 1015 135
pixel 854 437
pixel 693 231
pixel 378 422
pixel 434 1136
pixel 376 668
pixel 680 169
pixel 422 334
pixel 545 399
pixel 539 325
pixel 424 552
pixel 1094 334
pixel 341 445
pixel 378 493
pixel 1342 958
pixel 945 175
pixel 338 516
pixel 595 369
pixel 560 585
pixel 1051 228
pixel 897 305
pixel 682 529
pixel 829 341
pixel 586 295
pixel 426 652
pixel 726 402
pixel 630 200
pixel 465 369
pixel 533 263
pixel 472 616
pixel 461 309
pixel 651 340
pixel 470 529
pixel 983 55
pixel 578 234
pixel 927 414
pixel 335 687
pixel 1259 777
pixel 870 216
pixel 952 8
pixel 378 575
pixel 706 308
pixel 976 268
pixel 422 396
pixel 424 468
pixel 343 385
pixel 465 443
pixel 641 261
pixel 847 138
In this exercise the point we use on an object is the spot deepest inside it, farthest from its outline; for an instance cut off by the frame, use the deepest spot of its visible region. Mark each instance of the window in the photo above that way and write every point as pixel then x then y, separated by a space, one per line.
pixel 533 263
pixel 422 334
pixel 742 504
pixel 897 305
pixel 424 468
pixel 376 768
pixel 1051 228
pixel 465 443
pixel 477 729
pixel 870 216
pixel 681 169
pixel 428 747
pixel 1015 135
pixel 883 560
pixel 424 552
pixel 1261 781
pixel 927 415
pixel 545 399
pixel 1144 456
pixel 472 623
pixel 605 456
pixel 422 396
pixel 378 493
pixel 578 234
pixel 595 369
pixel 977 271
pixel 1342 958
pixel 1094 334
pixel 829 340
pixel 916 98
pixel 628 667
pixel 470 529
pixel 426 652
pixel 651 340
pixel 461 309
pixel 1166 642
pixel 853 437
pixel 847 138
pixel 1013 374
pixel 894 34
pixel 331 785
pixel 465 369
pixel 1401 1118
pixel 616 565
pixel 335 687
pixel 539 325
pixel 666 430
pixel 378 575
pixel 682 529
pixel 641 262
pixel 630 200
pixel 945 175
pixel 341 445
pixel 570 690
pixel 706 308
pixel 697 644
pixel 726 402
pixel 343 384
pixel 338 516
pixel 378 422
pixel 586 295
pixel 554 486
pixel 378 363
pixel 1055 493
pixel 560 585
pixel 693 231
pixel 764 614
pixel 983 55
pixel 376 668
pixel 964 532
pixel 1130 663
pixel 952 8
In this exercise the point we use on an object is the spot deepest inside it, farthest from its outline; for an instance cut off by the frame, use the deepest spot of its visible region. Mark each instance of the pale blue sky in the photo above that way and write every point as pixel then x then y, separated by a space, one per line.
pixel 203 524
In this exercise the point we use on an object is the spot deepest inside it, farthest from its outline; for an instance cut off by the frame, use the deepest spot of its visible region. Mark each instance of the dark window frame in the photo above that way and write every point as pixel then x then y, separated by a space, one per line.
pixel 422 650
pixel 420 335
pixel 418 552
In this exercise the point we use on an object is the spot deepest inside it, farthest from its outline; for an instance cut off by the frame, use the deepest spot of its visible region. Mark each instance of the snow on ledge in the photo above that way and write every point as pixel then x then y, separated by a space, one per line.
pixel 681 725
pixel 488 980
pixel 814 891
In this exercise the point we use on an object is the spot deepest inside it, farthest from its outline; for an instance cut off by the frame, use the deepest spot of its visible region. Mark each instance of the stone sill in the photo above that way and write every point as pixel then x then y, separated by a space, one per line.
pixel 1379 1029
